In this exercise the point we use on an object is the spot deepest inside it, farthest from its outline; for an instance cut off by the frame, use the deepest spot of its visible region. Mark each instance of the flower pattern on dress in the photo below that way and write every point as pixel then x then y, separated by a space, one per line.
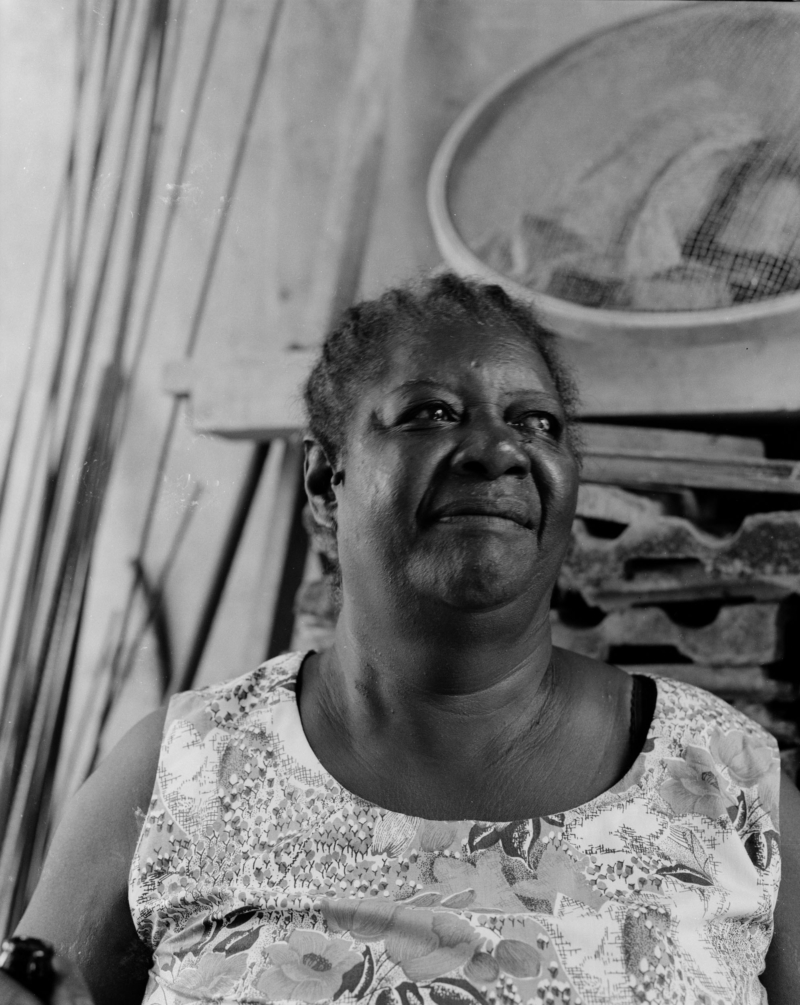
pixel 258 878
pixel 429 944
pixel 211 976
pixel 692 785
pixel 747 758
pixel 308 967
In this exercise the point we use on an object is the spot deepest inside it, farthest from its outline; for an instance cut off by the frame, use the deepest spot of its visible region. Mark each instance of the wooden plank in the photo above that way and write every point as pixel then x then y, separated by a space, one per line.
pixel 260 399
pixel 756 375
pixel 740 635
pixel 664 473
pixel 610 503
pixel 731 379
pixel 244 399
pixel 600 438
pixel 665 459
pixel 670 559
pixel 351 196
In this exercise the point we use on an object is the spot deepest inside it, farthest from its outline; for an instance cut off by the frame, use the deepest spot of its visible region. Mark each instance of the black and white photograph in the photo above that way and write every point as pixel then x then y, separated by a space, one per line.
pixel 399 502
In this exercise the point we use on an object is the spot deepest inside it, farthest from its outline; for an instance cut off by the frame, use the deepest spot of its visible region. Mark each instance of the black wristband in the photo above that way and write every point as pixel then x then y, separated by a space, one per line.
pixel 30 962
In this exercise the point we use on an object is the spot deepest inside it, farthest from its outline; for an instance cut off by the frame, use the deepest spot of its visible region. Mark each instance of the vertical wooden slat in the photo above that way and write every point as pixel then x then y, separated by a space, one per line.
pixel 338 262
pixel 293 566
pixel 225 559
pixel 288 458
pixel 354 182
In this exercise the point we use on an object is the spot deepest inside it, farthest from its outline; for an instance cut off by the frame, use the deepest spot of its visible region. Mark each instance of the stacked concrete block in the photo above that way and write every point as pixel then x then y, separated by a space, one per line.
pixel 645 587
pixel 669 558
pixel 728 654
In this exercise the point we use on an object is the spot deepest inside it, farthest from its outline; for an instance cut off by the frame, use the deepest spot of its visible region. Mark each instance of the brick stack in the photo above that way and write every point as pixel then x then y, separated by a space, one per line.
pixel 648 590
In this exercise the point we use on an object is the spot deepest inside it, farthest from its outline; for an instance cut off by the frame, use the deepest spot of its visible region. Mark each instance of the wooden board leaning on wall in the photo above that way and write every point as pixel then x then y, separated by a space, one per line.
pixel 262 399
pixel 754 377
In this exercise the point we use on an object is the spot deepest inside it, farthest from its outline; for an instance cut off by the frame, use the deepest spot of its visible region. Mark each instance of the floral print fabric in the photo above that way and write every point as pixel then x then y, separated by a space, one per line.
pixel 258 878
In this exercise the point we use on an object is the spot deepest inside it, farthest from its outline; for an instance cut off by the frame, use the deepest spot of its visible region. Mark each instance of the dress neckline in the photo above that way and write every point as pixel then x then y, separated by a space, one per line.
pixel 630 781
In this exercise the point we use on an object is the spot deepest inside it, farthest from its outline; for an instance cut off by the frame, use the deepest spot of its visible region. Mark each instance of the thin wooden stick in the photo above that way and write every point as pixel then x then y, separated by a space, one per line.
pixel 222 569
pixel 49 648
pixel 199 311
pixel 120 664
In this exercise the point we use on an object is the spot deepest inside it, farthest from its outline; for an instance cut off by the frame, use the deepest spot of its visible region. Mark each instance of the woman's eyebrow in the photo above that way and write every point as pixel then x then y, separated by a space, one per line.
pixel 410 385
pixel 537 394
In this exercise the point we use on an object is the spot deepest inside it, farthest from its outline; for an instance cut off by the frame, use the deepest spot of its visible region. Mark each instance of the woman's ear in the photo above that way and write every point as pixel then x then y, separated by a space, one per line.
pixel 320 477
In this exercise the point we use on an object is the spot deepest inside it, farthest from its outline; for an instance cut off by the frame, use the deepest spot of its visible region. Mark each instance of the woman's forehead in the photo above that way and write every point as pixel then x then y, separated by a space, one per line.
pixel 456 351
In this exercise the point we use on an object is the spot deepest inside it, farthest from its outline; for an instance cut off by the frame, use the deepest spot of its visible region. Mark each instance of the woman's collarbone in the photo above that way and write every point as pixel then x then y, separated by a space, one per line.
pixel 520 786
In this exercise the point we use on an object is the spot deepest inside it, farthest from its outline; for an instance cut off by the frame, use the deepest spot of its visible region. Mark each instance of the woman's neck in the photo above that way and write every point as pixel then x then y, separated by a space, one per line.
pixel 436 656
pixel 441 701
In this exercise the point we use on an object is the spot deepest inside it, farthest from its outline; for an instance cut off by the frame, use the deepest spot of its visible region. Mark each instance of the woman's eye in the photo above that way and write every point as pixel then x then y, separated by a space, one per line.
pixel 430 413
pixel 537 422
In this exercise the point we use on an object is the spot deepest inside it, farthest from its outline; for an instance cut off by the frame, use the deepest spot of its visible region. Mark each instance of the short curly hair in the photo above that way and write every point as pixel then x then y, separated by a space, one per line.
pixel 354 353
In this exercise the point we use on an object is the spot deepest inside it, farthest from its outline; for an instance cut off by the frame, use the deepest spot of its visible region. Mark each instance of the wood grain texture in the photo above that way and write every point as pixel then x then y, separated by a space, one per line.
pixel 601 438
pixel 737 378
pixel 615 505
pixel 655 473
pixel 756 375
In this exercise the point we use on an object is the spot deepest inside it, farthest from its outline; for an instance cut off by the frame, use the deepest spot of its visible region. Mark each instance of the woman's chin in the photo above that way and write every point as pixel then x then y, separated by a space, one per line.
pixel 476 597
pixel 476 583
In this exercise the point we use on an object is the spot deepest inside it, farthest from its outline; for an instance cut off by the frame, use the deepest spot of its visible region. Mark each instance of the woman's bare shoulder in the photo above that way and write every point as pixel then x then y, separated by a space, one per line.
pixel 107 810
pixel 782 975
pixel 593 677
pixel 130 767
pixel 81 901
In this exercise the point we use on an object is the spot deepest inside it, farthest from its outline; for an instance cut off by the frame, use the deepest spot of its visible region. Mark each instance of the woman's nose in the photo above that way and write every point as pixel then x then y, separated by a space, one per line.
pixel 490 450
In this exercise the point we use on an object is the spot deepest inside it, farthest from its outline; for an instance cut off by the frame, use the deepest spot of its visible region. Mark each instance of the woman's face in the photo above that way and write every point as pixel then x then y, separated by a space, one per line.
pixel 459 483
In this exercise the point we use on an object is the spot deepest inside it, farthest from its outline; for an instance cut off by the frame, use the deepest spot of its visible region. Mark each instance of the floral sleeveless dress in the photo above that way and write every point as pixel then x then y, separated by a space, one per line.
pixel 258 878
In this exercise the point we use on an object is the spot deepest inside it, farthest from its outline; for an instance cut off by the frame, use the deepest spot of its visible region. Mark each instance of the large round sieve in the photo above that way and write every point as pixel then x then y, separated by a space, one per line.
pixel 645 181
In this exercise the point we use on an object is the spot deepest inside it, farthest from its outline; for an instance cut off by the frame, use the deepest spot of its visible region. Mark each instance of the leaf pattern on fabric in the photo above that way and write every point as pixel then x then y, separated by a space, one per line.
pixel 486 877
pixel 367 920
pixel 483 968
pixel 518 959
pixel 760 847
pixel 436 835
pixel 237 943
pixel 455 992
pixel 685 874
pixel 189 785
pixel 394 834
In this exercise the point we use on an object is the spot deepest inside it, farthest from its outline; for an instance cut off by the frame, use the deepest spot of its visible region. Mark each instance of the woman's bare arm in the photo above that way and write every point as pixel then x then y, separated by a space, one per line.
pixel 81 902
pixel 782 975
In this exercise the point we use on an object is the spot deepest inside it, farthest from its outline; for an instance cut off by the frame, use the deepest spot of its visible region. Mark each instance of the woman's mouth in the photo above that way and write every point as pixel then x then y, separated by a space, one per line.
pixel 486 512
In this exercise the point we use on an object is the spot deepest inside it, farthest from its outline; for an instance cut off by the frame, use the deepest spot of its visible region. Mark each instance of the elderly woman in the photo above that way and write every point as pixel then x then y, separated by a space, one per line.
pixel 443 808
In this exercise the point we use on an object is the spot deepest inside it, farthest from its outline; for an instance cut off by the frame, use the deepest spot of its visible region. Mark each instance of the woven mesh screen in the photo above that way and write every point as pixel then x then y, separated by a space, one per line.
pixel 690 200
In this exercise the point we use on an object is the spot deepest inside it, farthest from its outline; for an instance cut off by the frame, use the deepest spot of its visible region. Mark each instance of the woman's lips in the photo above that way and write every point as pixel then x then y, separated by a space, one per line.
pixel 509 509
